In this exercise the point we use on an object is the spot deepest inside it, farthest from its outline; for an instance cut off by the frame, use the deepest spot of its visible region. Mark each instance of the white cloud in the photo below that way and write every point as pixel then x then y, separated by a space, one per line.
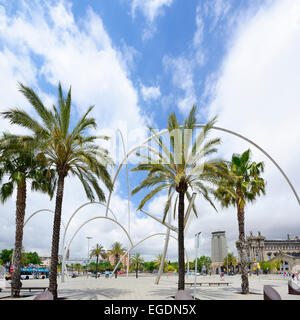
pixel 44 43
pixel 150 8
pixel 150 93
pixel 257 94
pixel 80 55
pixel 182 78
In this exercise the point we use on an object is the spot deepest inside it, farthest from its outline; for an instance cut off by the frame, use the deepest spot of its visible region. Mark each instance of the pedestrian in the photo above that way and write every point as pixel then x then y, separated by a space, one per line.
pixel 221 275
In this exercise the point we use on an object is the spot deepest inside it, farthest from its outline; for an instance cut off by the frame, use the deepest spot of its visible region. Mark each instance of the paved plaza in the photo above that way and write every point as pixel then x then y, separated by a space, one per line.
pixel 143 288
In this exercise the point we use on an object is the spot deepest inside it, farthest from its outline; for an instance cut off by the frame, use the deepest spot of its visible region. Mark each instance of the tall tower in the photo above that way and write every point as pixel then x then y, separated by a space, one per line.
pixel 218 246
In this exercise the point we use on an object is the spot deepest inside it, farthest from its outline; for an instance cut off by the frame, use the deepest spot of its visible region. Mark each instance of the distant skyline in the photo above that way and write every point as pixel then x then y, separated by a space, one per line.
pixel 137 62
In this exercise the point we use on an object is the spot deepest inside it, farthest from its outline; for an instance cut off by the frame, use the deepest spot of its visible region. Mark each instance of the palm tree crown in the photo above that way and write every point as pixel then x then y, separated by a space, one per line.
pixel 67 150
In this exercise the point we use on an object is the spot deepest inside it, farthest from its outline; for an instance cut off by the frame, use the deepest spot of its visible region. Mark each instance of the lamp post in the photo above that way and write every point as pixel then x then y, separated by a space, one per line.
pixel 88 259
pixel 196 251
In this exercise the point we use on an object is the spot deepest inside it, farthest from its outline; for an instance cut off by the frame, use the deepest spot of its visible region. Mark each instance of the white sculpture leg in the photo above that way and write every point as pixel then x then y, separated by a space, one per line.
pixel 165 251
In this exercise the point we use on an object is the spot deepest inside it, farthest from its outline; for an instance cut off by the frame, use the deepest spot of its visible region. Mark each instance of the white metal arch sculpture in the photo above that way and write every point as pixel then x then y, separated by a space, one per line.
pixel 137 244
pixel 126 156
pixel 64 252
pixel 32 215
pixel 200 126
pixel 142 145
pixel 38 211
pixel 82 225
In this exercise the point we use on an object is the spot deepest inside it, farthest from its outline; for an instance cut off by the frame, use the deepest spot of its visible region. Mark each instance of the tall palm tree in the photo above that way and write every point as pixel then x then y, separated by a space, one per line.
pixel 69 150
pixel 178 169
pixel 117 251
pixel 136 261
pixel 19 165
pixel 97 252
pixel 242 184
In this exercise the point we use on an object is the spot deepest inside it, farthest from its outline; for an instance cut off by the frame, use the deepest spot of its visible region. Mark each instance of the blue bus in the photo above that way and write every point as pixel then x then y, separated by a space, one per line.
pixel 32 272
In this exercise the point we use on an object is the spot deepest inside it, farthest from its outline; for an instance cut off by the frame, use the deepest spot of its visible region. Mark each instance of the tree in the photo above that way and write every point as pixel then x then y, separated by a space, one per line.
pixel 18 165
pixel 97 252
pixel 69 150
pixel 180 169
pixel 33 258
pixel 117 251
pixel 230 260
pixel 157 261
pixel 149 266
pixel 5 255
pixel 203 261
pixel 136 262
pixel 242 184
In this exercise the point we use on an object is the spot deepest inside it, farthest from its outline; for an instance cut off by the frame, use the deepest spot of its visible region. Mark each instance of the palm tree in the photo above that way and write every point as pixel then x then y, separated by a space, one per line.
pixel 157 261
pixel 117 251
pixel 242 184
pixel 136 261
pixel 19 165
pixel 178 169
pixel 68 151
pixel 97 252
pixel 229 261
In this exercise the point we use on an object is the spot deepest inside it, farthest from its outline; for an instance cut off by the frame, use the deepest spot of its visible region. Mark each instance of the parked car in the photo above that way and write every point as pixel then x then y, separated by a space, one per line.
pixel 121 272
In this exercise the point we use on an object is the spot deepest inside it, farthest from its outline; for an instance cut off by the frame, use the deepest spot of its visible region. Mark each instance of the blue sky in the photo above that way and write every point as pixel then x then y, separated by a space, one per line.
pixel 138 61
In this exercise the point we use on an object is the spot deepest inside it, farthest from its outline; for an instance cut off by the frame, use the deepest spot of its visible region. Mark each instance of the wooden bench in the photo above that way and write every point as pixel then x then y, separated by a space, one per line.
pixel 34 288
pixel 209 283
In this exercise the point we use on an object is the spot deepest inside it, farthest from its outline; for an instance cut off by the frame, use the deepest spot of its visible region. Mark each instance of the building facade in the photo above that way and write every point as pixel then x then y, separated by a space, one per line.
pixel 260 249
pixel 112 261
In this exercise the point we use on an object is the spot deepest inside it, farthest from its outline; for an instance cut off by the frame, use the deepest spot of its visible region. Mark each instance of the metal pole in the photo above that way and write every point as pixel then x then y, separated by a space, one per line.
pixel 196 251
pixel 88 259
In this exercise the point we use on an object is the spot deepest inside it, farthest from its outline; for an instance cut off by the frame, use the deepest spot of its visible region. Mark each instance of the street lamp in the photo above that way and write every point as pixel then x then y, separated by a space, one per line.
pixel 88 259
pixel 196 251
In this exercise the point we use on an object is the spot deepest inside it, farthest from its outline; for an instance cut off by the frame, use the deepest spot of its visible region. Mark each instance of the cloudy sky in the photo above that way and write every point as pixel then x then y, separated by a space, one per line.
pixel 139 60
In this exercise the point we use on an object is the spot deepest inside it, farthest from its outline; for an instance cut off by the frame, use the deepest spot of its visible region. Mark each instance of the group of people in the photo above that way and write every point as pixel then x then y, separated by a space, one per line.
pixel 294 276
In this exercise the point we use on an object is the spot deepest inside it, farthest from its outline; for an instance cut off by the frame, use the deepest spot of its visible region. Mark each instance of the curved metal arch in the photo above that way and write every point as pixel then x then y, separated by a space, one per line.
pixel 215 128
pixel 128 189
pixel 69 221
pixel 127 178
pixel 38 211
pixel 77 210
pixel 134 246
pixel 32 215
pixel 87 221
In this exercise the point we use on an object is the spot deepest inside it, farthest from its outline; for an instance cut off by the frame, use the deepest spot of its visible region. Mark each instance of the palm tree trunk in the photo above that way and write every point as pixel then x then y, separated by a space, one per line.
pixel 242 248
pixel 97 266
pixel 116 262
pixel 181 268
pixel 136 270
pixel 16 283
pixel 55 236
